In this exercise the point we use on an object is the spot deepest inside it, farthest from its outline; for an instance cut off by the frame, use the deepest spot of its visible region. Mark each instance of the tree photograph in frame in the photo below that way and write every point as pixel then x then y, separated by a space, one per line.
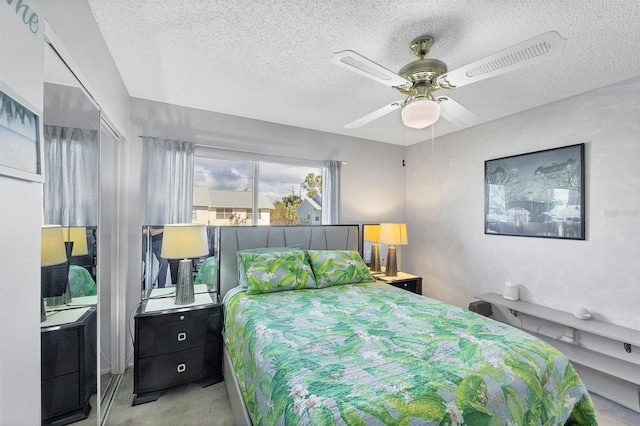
pixel 20 149
pixel 538 194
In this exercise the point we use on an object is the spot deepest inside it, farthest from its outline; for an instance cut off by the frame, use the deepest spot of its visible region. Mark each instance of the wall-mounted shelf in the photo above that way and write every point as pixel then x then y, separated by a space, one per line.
pixel 611 353
pixel 599 328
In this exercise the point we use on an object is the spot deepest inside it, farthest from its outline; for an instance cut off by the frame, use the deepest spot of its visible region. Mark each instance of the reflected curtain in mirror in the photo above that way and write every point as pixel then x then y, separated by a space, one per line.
pixel 331 192
pixel 70 189
pixel 169 181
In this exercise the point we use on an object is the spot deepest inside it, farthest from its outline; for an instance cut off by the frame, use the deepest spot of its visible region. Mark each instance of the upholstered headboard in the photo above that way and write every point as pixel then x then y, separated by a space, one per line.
pixel 318 237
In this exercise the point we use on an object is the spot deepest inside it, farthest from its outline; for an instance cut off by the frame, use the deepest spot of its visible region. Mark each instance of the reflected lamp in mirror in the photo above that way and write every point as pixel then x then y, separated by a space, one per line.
pixel 77 236
pixel 371 234
pixel 184 241
pixel 54 273
pixel 394 234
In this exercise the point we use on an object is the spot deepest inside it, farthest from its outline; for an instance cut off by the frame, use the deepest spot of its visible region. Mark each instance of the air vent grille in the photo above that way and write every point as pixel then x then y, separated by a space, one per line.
pixel 530 52
pixel 364 67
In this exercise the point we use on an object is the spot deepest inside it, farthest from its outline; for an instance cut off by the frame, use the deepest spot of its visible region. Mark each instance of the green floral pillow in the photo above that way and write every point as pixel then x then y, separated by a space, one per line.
pixel 335 267
pixel 276 271
pixel 242 275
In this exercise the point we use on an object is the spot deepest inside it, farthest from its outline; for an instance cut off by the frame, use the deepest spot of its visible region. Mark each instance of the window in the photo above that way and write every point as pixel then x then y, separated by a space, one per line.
pixel 294 191
pixel 228 192
pixel 222 191
pixel 224 214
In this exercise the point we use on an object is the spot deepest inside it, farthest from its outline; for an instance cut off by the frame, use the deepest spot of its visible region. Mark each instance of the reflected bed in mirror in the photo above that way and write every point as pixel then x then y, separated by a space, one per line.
pixel 162 274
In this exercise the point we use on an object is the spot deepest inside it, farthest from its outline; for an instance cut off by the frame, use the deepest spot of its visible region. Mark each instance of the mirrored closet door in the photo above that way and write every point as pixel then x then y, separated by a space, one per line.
pixel 69 346
pixel 81 159
pixel 110 348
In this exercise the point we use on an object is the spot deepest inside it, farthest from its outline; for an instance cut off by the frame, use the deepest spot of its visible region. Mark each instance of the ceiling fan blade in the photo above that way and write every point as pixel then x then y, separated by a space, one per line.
pixel 456 114
pixel 537 49
pixel 366 67
pixel 374 115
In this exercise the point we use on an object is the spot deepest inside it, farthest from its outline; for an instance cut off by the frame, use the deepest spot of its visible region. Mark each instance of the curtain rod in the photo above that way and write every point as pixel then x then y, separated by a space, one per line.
pixel 246 152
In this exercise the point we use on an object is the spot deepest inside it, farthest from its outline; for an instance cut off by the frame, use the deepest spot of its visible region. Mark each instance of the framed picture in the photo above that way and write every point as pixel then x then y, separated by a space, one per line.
pixel 20 147
pixel 539 194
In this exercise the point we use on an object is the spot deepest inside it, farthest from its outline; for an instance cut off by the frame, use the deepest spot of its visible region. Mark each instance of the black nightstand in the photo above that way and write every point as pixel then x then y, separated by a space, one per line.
pixel 69 365
pixel 409 282
pixel 176 344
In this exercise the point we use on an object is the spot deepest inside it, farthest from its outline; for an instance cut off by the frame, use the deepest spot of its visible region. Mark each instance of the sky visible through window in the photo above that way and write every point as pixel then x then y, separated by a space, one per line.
pixel 276 180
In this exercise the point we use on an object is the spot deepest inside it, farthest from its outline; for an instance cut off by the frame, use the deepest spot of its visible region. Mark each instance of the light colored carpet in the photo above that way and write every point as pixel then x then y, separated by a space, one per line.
pixel 183 405
pixel 197 406
pixel 610 413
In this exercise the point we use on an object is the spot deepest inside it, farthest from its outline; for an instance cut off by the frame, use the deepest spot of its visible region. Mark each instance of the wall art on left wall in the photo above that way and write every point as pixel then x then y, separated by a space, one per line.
pixel 538 194
pixel 20 147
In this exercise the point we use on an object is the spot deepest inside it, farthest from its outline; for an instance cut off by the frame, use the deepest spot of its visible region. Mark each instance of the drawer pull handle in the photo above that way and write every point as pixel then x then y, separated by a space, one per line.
pixel 405 284
pixel 181 368
pixel 182 336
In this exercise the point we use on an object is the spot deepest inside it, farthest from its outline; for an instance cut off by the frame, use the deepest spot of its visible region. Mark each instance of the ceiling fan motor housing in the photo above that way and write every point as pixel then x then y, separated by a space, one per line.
pixel 422 72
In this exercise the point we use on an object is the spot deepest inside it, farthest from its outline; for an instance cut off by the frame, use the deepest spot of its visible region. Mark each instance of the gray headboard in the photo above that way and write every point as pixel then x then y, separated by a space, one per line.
pixel 310 237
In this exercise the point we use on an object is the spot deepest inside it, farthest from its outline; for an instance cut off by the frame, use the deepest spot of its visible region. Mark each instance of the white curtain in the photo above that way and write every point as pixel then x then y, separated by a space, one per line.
pixel 71 176
pixel 331 192
pixel 169 181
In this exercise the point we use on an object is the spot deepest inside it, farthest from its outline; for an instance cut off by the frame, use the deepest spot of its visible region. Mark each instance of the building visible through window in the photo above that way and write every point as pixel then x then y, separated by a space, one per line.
pixel 223 193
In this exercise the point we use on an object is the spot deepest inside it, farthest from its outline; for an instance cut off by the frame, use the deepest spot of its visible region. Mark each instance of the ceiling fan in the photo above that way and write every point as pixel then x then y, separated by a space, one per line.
pixel 419 79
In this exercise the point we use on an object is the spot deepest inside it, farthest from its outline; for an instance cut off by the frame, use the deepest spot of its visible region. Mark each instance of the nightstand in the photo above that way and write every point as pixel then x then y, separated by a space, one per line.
pixel 69 364
pixel 412 283
pixel 176 344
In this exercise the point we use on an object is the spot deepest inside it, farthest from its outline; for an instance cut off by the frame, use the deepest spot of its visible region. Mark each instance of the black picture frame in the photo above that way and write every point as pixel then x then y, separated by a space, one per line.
pixel 537 194
pixel 20 138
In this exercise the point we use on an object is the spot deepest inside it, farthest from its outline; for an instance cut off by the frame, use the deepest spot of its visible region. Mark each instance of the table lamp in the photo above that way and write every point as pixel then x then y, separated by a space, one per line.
pixel 53 281
pixel 392 234
pixel 75 241
pixel 184 241
pixel 77 236
pixel 371 234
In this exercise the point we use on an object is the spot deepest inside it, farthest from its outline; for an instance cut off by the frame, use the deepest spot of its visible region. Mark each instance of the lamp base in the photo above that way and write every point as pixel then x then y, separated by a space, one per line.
pixel 392 263
pixel 375 265
pixel 184 285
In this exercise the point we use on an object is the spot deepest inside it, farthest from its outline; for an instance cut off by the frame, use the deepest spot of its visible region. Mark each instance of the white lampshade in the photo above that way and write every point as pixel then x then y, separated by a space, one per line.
pixel 184 240
pixel 52 246
pixel 77 234
pixel 393 234
pixel 420 113
pixel 371 233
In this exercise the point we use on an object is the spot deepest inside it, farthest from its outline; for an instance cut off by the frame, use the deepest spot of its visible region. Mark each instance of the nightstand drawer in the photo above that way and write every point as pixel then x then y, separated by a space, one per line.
pixel 59 353
pixel 165 334
pixel 157 373
pixel 60 393
pixel 407 285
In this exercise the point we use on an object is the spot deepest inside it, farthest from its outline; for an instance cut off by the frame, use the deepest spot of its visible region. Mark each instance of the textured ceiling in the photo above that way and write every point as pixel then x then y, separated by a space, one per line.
pixel 269 59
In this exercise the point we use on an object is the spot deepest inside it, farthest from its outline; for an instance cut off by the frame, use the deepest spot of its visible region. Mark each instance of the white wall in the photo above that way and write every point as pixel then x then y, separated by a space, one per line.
pixel 445 210
pixel 21 68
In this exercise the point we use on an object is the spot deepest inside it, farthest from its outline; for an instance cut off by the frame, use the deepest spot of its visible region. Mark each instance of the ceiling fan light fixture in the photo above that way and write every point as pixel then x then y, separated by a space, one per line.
pixel 420 113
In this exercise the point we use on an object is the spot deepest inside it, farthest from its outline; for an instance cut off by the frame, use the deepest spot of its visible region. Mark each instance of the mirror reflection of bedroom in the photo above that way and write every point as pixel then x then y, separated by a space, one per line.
pixel 162 273
pixel 71 125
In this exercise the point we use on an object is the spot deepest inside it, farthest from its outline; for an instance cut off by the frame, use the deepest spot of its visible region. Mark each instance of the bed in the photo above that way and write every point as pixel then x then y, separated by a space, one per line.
pixel 365 352
pixel 81 282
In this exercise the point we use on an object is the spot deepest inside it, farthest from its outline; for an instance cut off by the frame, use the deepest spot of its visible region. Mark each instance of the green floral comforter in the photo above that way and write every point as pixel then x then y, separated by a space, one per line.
pixel 372 354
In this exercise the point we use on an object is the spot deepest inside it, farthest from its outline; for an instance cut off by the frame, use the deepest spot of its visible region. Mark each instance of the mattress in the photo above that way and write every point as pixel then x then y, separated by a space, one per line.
pixel 372 354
